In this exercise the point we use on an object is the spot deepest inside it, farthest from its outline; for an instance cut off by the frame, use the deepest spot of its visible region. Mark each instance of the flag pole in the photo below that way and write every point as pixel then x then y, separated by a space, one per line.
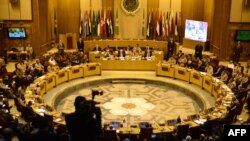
pixel 91 35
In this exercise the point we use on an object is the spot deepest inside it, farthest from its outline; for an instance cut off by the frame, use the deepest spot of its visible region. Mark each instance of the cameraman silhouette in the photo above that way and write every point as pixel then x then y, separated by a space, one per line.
pixel 85 122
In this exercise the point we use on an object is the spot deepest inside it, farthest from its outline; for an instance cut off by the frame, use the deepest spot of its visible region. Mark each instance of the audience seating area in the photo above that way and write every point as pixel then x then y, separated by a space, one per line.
pixel 31 81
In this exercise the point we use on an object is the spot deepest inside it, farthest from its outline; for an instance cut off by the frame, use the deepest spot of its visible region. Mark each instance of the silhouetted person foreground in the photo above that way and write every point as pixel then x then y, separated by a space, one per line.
pixel 85 122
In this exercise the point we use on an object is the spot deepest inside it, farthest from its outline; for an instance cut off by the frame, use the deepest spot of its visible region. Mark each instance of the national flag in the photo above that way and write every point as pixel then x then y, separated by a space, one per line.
pixel 94 24
pixel 167 25
pixel 90 22
pixel 102 23
pixel 163 25
pixel 116 23
pixel 111 30
pixel 148 24
pixel 151 30
pixel 107 24
pixel 80 23
pixel 176 24
pixel 179 26
pixel 172 26
pixel 98 24
pixel 109 27
pixel 143 22
pixel 55 23
pixel 157 25
pixel 160 23
pixel 86 24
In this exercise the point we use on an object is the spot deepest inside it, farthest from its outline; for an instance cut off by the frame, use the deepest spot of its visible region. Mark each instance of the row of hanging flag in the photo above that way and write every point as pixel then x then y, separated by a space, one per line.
pixel 164 24
pixel 96 23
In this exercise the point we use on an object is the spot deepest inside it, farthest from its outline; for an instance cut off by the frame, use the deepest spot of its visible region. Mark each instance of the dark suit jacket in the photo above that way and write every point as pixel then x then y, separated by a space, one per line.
pixel 97 49
pixel 80 45
pixel 80 127
pixel 43 136
pixel 146 52
pixel 120 53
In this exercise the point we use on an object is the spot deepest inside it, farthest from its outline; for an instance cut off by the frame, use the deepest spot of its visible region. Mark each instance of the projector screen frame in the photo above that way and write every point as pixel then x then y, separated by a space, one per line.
pixel 23 29
pixel 196 30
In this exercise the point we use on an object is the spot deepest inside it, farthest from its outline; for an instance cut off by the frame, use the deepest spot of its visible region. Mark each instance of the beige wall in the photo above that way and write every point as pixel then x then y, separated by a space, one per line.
pixel 223 32
pixel 239 12
pixel 130 26
pixel 68 16
pixel 209 15
pixel 19 11
pixel 85 5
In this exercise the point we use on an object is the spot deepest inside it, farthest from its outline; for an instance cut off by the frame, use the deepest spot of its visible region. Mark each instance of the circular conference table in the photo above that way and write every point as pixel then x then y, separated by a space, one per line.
pixel 215 87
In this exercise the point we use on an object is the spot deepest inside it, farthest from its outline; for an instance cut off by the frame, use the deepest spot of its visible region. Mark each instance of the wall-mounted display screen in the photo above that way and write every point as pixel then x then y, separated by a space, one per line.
pixel 196 30
pixel 16 32
pixel 242 35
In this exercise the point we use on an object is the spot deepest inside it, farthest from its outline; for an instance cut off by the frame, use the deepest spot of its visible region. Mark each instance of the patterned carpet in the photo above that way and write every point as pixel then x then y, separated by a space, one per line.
pixel 135 102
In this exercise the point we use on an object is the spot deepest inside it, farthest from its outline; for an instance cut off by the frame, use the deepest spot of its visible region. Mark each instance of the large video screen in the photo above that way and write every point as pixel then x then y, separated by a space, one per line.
pixel 242 35
pixel 196 30
pixel 16 32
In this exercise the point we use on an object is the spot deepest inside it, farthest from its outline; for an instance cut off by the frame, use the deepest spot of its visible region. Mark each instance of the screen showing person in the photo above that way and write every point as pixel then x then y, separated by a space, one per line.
pixel 196 30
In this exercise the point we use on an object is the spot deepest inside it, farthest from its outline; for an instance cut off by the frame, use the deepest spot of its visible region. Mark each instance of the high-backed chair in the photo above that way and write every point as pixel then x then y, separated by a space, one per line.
pixel 145 133
pixel 110 135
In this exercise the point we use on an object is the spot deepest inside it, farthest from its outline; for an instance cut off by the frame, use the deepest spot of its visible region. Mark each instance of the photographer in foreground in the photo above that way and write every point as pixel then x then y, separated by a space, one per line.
pixel 85 122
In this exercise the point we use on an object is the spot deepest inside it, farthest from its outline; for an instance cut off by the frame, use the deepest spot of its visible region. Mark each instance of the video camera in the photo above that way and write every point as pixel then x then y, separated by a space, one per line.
pixel 96 92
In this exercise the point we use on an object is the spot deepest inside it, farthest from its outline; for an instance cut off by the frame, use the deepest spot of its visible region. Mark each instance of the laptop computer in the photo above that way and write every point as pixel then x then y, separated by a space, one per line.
pixel 144 125
pixel 195 117
pixel 171 122
pixel 115 124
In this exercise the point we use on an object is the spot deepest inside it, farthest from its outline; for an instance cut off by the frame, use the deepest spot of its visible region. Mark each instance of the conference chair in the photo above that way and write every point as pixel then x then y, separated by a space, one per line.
pixel 110 135
pixel 145 133
pixel 182 130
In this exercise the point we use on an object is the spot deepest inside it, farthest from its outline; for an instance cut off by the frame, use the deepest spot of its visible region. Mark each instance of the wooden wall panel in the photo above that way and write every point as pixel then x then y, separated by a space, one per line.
pixel 236 6
pixel 153 5
pixel 223 32
pixel 85 5
pixel 246 14
pixel 97 4
pixel 131 26
pixel 43 17
pixel 68 16
pixel 4 9
pixel 25 10
pixel 239 12
pixel 108 4
pixel 176 5
pixel 14 11
pixel 208 15
pixel 165 5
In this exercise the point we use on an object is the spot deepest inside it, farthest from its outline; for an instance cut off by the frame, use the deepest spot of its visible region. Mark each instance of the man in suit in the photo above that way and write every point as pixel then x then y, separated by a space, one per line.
pixel 171 48
pixel 198 51
pixel 237 51
pixel 81 124
pixel 147 52
pixel 60 47
pixel 80 45
pixel 121 53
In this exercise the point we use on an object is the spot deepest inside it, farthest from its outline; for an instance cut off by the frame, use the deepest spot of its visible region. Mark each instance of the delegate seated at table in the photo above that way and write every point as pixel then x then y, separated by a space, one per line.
pixel 121 53
pixel 108 53
pixel 97 48
pixel 29 50
pixel 147 52
pixel 20 48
